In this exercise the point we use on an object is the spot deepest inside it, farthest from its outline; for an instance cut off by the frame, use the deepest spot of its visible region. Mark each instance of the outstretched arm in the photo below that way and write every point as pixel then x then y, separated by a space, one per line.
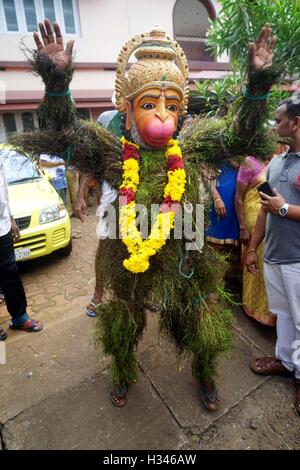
pixel 53 63
pixel 84 144
pixel 245 123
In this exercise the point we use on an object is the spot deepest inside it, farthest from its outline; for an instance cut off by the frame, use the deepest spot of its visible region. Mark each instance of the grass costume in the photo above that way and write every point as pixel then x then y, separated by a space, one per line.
pixel 149 166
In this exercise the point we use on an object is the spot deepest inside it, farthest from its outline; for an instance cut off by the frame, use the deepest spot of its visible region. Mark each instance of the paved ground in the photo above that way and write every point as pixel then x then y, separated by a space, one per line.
pixel 55 386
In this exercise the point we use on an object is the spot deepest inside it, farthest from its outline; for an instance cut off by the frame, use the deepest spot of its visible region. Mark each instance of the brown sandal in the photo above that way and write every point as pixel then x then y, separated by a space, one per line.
pixel 269 366
pixel 209 395
pixel 118 395
pixel 297 396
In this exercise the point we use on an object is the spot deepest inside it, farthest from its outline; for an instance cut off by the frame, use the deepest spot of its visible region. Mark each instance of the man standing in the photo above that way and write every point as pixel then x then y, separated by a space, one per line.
pixel 55 167
pixel 279 223
pixel 10 280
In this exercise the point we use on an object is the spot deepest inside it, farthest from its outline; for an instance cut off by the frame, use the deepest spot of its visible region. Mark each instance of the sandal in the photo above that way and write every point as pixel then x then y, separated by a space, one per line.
pixel 30 325
pixel 269 366
pixel 91 309
pixel 297 396
pixel 209 395
pixel 3 335
pixel 118 395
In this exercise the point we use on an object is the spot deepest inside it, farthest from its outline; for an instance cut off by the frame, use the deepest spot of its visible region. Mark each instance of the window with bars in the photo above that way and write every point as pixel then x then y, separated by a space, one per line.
pixel 49 10
pixel 10 15
pixel 27 121
pixel 9 122
pixel 69 16
pixel 30 15
pixel 23 16
pixel 191 23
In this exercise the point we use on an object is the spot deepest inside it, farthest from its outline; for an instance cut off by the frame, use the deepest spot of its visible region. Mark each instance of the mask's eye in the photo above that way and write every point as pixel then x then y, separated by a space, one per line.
pixel 148 106
pixel 172 108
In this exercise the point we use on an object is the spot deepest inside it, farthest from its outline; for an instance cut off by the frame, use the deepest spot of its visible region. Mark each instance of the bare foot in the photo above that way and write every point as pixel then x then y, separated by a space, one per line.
pixel 118 395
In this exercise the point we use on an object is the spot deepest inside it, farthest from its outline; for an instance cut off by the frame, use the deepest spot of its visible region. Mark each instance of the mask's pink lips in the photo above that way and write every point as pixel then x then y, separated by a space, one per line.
pixel 158 133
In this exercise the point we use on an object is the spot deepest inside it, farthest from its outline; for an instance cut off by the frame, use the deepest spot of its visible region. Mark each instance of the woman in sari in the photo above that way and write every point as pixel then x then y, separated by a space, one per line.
pixel 247 203
pixel 222 232
pixel 223 228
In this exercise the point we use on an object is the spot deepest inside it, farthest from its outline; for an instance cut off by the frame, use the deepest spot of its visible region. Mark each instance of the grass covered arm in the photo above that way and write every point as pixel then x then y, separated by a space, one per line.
pixel 84 144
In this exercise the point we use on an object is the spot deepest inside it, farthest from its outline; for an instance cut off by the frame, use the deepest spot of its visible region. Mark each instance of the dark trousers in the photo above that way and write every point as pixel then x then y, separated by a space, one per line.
pixel 10 280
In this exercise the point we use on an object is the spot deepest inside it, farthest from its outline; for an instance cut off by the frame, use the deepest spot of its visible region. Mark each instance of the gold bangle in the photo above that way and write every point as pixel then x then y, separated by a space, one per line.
pixel 252 250
pixel 217 199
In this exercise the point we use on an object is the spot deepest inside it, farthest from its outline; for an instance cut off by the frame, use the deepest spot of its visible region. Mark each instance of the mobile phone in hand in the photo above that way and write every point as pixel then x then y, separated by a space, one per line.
pixel 266 188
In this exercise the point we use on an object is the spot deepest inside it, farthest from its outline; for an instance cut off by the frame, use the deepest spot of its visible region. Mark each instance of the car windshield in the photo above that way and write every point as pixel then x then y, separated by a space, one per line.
pixel 18 168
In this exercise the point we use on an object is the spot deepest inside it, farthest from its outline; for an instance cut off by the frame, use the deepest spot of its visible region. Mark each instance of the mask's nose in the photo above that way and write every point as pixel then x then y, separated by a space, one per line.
pixel 161 112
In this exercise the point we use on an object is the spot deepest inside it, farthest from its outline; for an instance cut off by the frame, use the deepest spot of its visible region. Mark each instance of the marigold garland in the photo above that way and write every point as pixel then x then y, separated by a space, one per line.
pixel 141 250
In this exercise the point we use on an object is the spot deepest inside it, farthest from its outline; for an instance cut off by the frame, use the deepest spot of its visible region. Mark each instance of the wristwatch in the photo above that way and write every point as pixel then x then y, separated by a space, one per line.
pixel 284 210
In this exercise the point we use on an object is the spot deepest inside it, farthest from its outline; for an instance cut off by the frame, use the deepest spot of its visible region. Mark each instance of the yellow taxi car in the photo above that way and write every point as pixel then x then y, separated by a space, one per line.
pixel 37 208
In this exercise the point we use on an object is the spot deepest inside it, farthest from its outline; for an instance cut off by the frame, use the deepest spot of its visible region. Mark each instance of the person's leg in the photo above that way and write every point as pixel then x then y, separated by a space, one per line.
pixel 95 301
pixel 13 287
pixel 10 280
pixel 72 176
pixel 279 304
pixel 291 280
pixel 1 295
pixel 119 329
pixel 3 335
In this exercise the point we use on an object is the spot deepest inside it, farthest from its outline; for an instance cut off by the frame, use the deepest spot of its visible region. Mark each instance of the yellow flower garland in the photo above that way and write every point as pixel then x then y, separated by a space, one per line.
pixel 141 250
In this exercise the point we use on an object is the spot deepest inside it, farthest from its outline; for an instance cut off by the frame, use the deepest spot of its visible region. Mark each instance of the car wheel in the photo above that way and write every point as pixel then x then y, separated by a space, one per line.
pixel 66 251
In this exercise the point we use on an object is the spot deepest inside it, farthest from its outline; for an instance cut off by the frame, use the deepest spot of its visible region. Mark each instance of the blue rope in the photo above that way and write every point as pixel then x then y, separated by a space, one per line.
pixel 186 276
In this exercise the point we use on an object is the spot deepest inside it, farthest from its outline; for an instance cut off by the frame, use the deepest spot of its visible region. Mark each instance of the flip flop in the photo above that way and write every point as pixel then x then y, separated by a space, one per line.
pixel 92 312
pixel 30 325
pixel 269 366
pixel 3 335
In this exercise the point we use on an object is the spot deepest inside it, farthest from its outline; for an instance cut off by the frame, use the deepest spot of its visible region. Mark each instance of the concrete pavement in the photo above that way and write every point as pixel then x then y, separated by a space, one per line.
pixel 54 388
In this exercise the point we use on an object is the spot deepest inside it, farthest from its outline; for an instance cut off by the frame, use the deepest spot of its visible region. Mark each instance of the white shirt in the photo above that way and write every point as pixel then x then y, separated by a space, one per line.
pixel 5 222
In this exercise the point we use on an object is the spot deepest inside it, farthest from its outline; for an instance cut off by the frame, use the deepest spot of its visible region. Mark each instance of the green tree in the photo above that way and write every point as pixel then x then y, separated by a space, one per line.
pixel 237 24
pixel 240 21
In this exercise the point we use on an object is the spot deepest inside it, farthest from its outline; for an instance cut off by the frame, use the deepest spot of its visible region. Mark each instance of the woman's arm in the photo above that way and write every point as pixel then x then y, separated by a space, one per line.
pixel 239 207
pixel 218 201
pixel 257 237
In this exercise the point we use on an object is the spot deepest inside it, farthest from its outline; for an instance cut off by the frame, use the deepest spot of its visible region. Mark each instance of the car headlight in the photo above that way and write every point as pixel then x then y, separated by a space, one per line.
pixel 56 212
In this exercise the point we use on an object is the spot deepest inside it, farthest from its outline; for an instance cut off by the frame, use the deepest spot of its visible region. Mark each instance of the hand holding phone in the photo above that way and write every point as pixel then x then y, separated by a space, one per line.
pixel 266 188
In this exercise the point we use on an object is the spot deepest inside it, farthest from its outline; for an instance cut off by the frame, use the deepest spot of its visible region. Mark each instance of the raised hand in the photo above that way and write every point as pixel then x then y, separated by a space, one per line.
pixel 53 47
pixel 261 52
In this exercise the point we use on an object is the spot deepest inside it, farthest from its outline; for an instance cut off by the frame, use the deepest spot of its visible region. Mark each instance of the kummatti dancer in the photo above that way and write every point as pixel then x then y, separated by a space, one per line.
pixel 148 165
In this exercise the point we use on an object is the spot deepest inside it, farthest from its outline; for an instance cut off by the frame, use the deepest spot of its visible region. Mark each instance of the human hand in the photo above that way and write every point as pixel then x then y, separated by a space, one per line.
pixel 220 207
pixel 272 204
pixel 80 208
pixel 54 50
pixel 251 262
pixel 15 230
pixel 244 236
pixel 261 52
